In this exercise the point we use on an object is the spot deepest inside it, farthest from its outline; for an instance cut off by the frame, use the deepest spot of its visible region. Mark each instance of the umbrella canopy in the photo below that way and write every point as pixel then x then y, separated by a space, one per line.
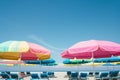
pixel 111 59
pixel 78 61
pixel 14 50
pixel 92 48
pixel 101 60
pixel 47 62
pixel 32 61
pixel 108 64
pixel 66 61
pixel 114 59
pixel 11 62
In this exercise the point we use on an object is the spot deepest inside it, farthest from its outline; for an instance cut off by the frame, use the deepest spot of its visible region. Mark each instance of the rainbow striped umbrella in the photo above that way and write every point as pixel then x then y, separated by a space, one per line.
pixel 15 50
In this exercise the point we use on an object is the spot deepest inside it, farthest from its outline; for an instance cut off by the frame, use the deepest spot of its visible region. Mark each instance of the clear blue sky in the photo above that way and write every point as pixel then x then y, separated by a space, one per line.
pixel 58 24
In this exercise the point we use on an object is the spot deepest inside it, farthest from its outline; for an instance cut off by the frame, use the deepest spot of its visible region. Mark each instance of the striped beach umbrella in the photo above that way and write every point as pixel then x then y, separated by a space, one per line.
pixel 23 50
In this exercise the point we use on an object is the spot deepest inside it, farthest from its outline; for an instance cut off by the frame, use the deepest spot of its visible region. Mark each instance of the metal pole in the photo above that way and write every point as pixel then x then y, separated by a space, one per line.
pixel 40 65
pixel 93 58
pixel 19 66
pixel 93 64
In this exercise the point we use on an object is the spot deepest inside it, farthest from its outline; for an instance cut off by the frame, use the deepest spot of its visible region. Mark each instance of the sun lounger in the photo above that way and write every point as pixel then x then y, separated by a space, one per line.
pixel 34 76
pixel 114 75
pixel 5 76
pixel 83 76
pixel 28 73
pixel 102 76
pixel 74 76
pixel 51 74
pixel 44 76
pixel 14 76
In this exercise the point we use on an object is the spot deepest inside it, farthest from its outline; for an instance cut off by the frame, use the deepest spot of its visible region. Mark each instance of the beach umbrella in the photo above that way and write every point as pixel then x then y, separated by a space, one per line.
pixel 11 62
pixel 23 50
pixel 40 61
pixel 108 64
pixel 111 59
pixel 114 59
pixel 32 61
pixel 78 61
pixel 101 60
pixel 92 49
pixel 66 61
pixel 47 62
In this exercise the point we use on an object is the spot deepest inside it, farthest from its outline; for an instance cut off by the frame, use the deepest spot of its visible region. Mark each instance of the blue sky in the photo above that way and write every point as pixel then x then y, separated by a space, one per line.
pixel 58 24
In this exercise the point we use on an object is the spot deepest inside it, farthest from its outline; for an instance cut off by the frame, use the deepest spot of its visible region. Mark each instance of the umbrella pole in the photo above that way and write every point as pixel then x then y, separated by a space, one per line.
pixel 93 62
pixel 77 67
pixel 19 65
pixel 93 58
pixel 77 64
pixel 40 64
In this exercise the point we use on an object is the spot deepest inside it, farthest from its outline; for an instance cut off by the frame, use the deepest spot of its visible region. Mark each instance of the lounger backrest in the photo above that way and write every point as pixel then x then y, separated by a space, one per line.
pixel 83 74
pixel 35 76
pixel 14 76
pixel 75 74
pixel 113 73
pixel 104 74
